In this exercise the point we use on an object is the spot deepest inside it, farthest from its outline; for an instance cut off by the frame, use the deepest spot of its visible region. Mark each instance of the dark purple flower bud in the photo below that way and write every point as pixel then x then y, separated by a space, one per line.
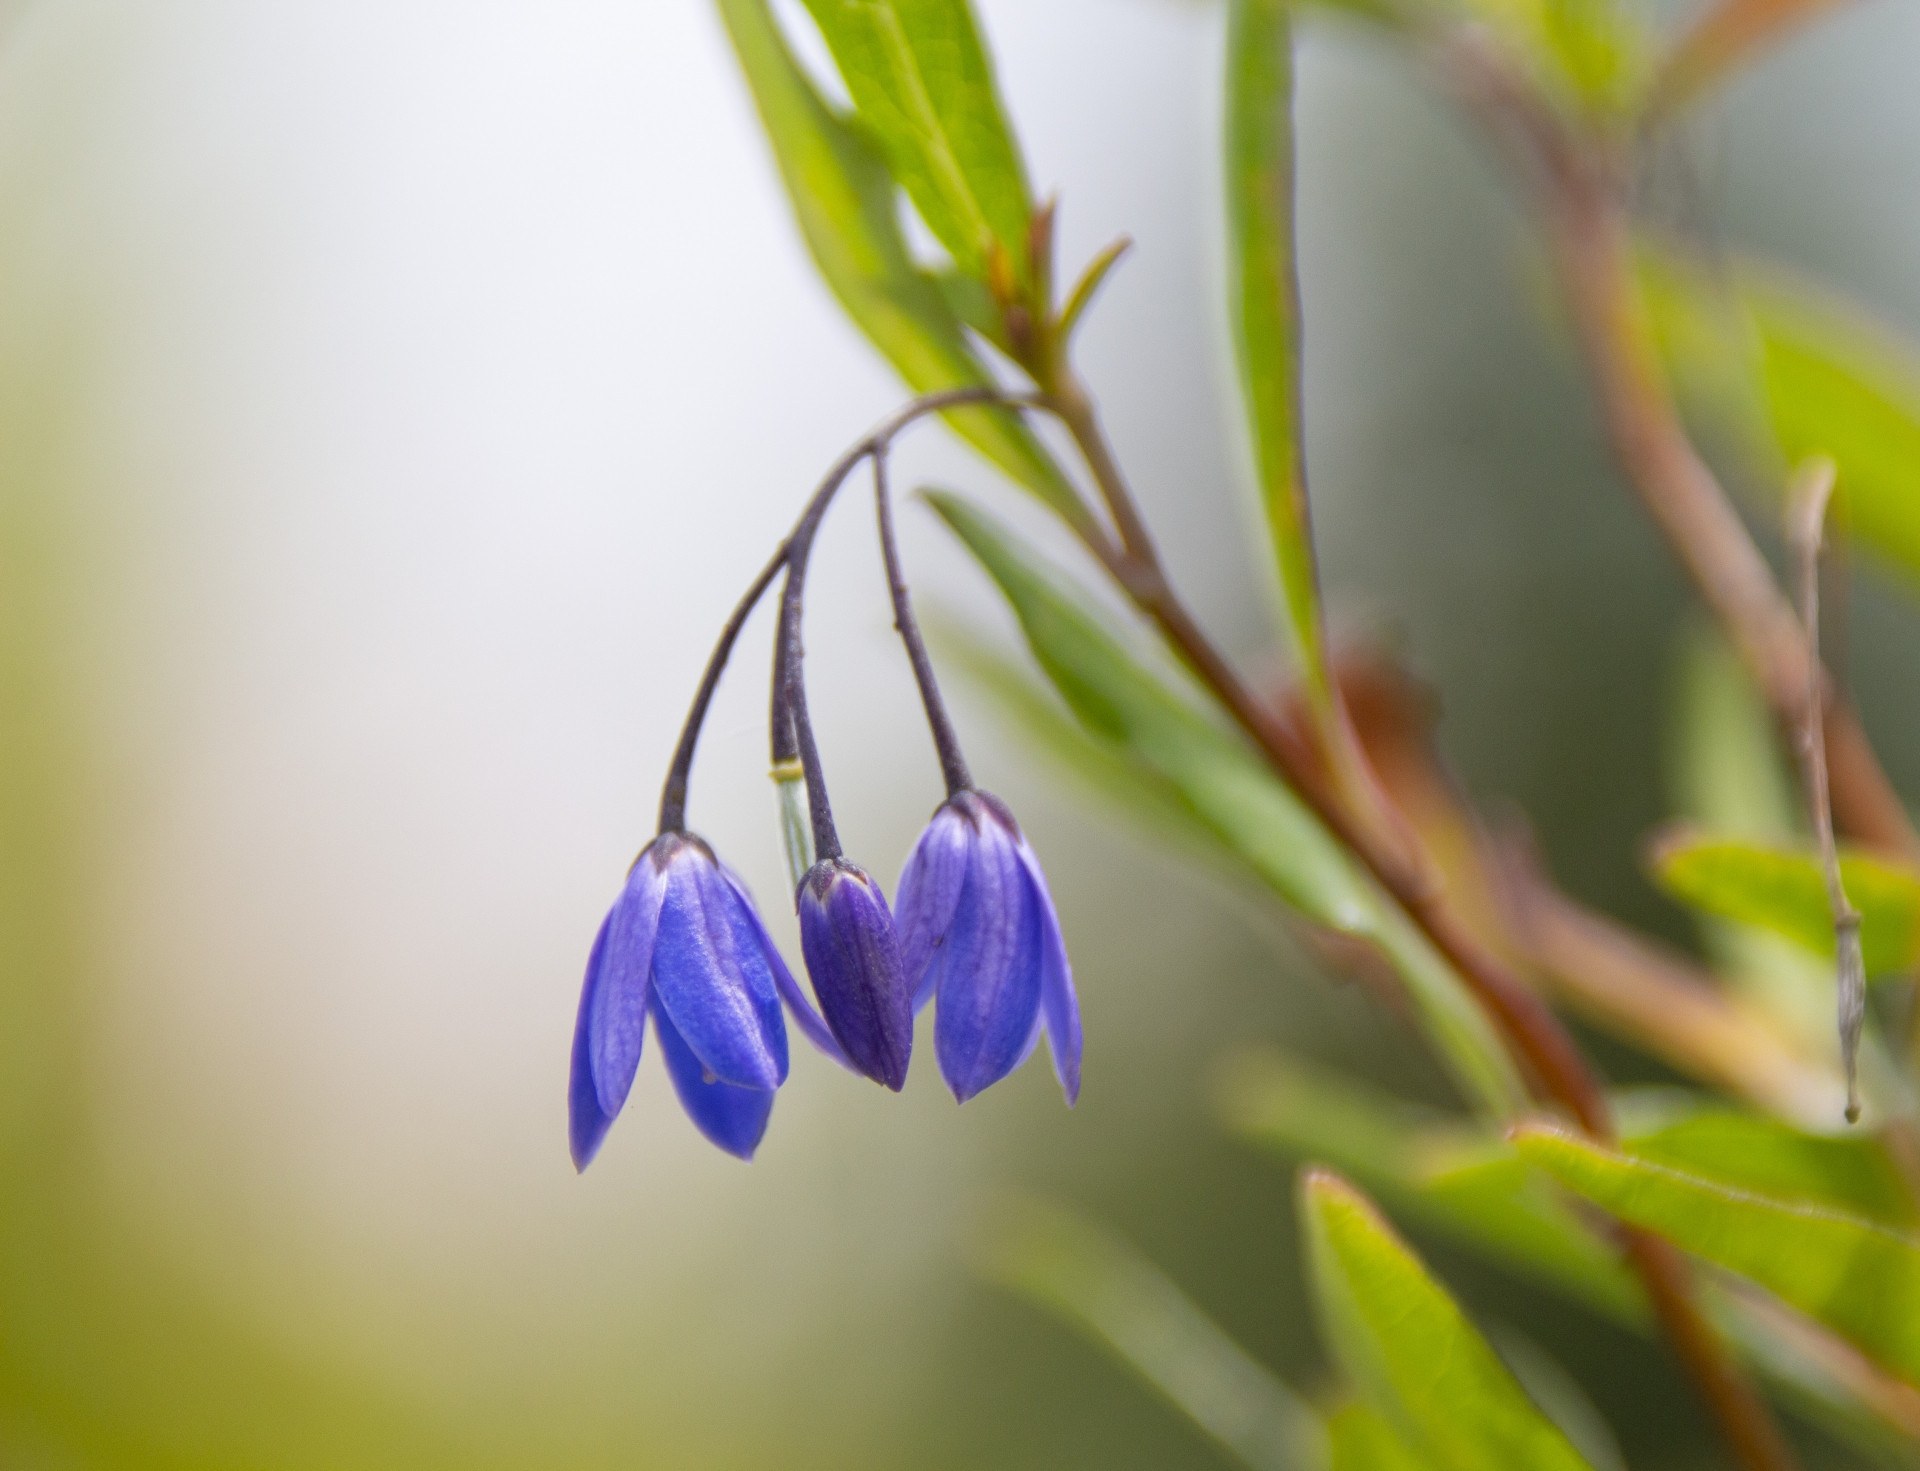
pixel 684 945
pixel 978 931
pixel 853 956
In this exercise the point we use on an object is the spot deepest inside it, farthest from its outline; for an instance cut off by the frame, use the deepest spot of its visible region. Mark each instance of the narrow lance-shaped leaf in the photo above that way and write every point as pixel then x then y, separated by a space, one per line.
pixel 1439 1171
pixel 1585 56
pixel 1784 891
pixel 1559 1396
pixel 924 85
pixel 1362 1441
pixel 1850 1172
pixel 1793 371
pixel 1221 781
pixel 1107 1290
pixel 1038 716
pixel 1409 1350
pixel 1264 305
pixel 1860 1278
pixel 1727 772
pixel 1480 1194
pixel 1838 384
pixel 843 200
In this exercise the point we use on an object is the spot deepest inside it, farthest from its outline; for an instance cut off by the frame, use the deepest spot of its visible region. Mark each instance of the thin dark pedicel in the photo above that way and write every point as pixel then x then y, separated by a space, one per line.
pixel 953 765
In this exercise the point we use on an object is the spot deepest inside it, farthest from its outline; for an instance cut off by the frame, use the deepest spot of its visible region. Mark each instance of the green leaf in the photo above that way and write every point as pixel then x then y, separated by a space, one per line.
pixel 1860 1278
pixel 1460 1181
pixel 1222 783
pixel 1793 371
pixel 1409 1350
pixel 1036 712
pixel 1589 56
pixel 924 85
pixel 1727 773
pixel 1264 304
pixel 1362 1441
pixel 1726 770
pixel 1473 1189
pixel 1100 1285
pixel 972 303
pixel 1784 891
pixel 1850 1172
pixel 843 200
pixel 1838 384
pixel 1559 1396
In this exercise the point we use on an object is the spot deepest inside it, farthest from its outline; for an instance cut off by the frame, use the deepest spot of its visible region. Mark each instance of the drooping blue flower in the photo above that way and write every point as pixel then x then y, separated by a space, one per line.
pixel 978 935
pixel 853 956
pixel 684 945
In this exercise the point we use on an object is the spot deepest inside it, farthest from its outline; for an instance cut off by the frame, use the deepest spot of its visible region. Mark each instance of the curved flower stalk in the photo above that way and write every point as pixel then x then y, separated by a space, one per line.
pixel 979 936
pixel 846 930
pixel 684 947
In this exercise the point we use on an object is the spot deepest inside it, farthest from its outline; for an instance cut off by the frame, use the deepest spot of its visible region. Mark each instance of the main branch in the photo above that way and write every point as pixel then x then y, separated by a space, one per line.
pixel 1560 1072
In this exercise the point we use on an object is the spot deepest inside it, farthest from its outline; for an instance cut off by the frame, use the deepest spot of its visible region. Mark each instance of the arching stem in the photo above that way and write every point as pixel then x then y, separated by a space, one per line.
pixel 953 765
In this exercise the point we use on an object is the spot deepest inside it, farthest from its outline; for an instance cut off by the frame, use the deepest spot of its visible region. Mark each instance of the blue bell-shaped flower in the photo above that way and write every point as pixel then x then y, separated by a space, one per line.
pixel 684 945
pixel 853 956
pixel 978 932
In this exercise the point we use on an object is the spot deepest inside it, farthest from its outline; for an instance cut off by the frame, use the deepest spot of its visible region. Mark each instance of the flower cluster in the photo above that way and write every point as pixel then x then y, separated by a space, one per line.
pixel 684 947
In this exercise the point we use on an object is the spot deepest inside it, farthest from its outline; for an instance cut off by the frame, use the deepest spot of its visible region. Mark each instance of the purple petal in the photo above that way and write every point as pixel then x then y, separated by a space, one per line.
pixel 1058 1004
pixel 812 1027
pixel 617 1017
pixel 710 972
pixel 733 1118
pixel 587 1124
pixel 853 956
pixel 988 969
pixel 930 886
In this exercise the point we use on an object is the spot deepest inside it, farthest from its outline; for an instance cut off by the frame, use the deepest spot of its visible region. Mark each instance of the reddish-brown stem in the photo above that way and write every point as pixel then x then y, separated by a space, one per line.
pixel 1744 1418
pixel 1727 35
pixel 1535 1033
pixel 1560 1073
pixel 1592 252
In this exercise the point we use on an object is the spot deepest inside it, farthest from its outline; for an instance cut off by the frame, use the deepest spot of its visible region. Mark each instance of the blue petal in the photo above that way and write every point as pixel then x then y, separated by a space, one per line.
pixel 929 893
pixel 617 1017
pixel 710 972
pixel 853 956
pixel 804 1016
pixel 1058 1004
pixel 989 969
pixel 587 1125
pixel 733 1118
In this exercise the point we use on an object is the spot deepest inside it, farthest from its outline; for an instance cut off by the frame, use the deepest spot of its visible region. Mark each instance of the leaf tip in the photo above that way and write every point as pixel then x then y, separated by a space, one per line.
pixel 1325 1194
pixel 1658 848
pixel 1541 1141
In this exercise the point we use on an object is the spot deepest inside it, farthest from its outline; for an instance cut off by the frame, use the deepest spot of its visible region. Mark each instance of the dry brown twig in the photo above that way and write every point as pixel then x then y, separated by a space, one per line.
pixel 1807 501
